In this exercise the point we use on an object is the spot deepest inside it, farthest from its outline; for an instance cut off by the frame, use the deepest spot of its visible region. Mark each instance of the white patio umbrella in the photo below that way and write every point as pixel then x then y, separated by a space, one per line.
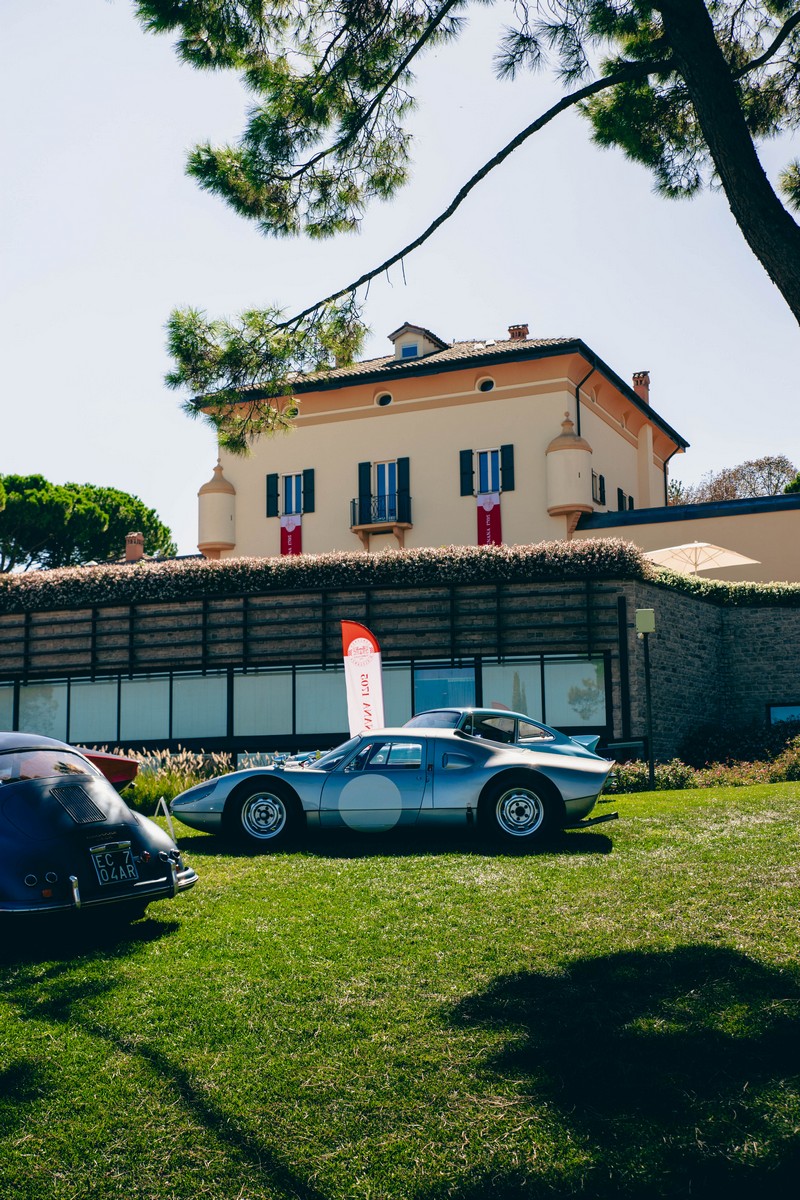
pixel 697 556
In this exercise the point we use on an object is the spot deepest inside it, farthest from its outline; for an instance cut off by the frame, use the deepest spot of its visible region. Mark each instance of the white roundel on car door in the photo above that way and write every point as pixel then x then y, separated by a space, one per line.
pixel 371 803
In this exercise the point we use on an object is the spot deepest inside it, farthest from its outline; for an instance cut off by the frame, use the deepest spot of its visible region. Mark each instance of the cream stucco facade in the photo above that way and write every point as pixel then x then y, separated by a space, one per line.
pixel 379 456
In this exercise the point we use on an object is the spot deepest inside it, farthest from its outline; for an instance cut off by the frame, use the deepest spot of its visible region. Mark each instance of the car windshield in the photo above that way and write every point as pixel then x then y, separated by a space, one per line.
pixel 17 766
pixel 335 756
pixel 439 719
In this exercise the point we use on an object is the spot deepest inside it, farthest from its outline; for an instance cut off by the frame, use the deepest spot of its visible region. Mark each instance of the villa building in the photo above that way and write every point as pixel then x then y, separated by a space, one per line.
pixel 471 443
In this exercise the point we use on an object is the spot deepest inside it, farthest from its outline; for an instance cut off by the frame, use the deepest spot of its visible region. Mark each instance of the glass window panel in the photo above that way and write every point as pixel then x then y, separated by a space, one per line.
pixel 6 707
pixel 199 706
pixel 396 695
pixel 321 702
pixel 43 709
pixel 575 692
pixel 262 704
pixel 436 687
pixel 386 490
pixel 292 494
pixel 514 685
pixel 144 709
pixel 777 712
pixel 488 471
pixel 93 711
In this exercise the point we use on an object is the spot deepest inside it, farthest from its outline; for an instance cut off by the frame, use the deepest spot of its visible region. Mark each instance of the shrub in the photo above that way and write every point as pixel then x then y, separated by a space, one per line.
pixel 167 773
pixel 717 743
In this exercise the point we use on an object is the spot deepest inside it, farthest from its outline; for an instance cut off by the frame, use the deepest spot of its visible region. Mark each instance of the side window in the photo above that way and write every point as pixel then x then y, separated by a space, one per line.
pixel 292 491
pixel 399 756
pixel 530 733
pixel 486 471
pixel 496 729
pixel 290 495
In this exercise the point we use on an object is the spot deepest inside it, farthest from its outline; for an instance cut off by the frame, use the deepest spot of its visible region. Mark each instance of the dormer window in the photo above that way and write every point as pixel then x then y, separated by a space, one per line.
pixel 412 341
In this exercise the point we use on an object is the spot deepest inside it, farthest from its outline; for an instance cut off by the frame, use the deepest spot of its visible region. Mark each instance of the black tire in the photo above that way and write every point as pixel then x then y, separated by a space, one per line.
pixel 519 810
pixel 264 815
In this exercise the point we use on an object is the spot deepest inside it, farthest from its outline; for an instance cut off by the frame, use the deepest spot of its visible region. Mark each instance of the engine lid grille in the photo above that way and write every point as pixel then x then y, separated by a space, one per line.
pixel 78 803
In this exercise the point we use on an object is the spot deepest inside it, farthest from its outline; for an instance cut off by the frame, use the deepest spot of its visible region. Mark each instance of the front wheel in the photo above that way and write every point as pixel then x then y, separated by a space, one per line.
pixel 264 816
pixel 517 811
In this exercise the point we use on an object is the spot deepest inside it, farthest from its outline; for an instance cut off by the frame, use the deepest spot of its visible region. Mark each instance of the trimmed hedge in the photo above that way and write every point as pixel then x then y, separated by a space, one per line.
pixel 740 595
pixel 180 579
pixel 188 578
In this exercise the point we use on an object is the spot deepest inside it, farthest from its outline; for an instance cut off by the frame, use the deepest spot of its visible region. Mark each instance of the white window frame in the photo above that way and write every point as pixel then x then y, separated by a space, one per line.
pixel 493 476
pixel 291 494
pixel 385 489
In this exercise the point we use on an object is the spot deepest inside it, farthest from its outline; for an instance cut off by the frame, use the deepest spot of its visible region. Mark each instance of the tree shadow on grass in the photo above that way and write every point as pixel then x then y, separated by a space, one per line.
pixel 676 1072
pixel 338 843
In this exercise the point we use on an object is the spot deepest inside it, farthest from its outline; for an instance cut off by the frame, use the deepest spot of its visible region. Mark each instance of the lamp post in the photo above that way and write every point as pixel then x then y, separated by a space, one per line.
pixel 645 625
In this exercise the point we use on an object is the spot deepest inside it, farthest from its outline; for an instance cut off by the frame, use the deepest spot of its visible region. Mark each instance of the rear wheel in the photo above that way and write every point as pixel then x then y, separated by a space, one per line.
pixel 519 811
pixel 264 816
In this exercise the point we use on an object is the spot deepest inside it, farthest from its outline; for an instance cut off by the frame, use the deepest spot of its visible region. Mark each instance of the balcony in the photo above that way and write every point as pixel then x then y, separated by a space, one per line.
pixel 381 514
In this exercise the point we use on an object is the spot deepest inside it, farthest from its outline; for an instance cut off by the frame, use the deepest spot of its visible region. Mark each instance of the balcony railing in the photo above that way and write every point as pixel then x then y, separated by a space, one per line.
pixel 394 509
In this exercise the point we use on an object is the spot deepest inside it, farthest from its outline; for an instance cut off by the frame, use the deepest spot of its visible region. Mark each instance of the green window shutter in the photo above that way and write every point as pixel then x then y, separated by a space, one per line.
pixel 364 493
pixel 467 472
pixel 308 491
pixel 403 490
pixel 272 495
pixel 506 468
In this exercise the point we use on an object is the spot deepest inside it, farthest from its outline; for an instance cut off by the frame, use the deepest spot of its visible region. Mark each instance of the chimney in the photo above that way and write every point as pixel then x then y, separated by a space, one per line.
pixel 134 547
pixel 641 385
pixel 518 333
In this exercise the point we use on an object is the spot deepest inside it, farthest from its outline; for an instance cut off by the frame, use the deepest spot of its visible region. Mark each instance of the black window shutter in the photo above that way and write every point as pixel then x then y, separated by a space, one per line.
pixel 308 490
pixel 272 495
pixel 620 500
pixel 506 468
pixel 602 489
pixel 403 490
pixel 630 501
pixel 364 493
pixel 467 473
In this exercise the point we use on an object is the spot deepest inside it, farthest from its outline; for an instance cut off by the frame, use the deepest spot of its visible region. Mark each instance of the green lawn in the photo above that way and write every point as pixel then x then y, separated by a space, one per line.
pixel 618 1015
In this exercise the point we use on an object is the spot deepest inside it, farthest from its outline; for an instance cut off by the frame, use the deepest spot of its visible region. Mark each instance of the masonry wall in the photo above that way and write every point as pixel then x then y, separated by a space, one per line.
pixel 708 663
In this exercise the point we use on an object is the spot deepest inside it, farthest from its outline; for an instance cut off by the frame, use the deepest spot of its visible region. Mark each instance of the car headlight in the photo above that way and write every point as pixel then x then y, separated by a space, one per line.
pixel 196 793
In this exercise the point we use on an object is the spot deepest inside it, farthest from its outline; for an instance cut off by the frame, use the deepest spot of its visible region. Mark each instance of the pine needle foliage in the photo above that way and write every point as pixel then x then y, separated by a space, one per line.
pixel 685 87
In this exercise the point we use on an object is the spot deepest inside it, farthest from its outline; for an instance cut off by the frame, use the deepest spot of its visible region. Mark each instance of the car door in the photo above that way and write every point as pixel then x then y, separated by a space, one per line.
pixel 383 786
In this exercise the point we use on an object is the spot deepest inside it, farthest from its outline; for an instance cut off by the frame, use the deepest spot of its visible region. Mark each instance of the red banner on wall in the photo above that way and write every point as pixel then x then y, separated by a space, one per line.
pixel 292 534
pixel 490 530
pixel 363 678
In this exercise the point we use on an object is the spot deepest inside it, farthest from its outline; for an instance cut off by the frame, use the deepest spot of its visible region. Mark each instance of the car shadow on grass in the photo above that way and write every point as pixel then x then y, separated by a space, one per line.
pixel 674 1073
pixel 75 936
pixel 400 844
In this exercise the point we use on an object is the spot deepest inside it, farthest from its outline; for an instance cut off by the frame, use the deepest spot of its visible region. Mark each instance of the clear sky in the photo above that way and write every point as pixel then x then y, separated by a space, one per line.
pixel 103 234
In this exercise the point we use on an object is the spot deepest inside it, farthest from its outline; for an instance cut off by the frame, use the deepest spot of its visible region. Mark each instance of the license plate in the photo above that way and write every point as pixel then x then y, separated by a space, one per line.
pixel 114 863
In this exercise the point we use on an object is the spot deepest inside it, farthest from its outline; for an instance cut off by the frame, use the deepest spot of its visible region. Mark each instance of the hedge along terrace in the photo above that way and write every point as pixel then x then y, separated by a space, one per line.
pixel 178 579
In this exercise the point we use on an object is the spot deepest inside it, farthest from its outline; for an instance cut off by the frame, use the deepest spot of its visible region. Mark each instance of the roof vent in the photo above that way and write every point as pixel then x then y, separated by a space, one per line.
pixel 518 333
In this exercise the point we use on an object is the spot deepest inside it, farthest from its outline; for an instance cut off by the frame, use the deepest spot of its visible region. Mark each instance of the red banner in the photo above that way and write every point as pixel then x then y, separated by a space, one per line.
pixel 292 534
pixel 490 530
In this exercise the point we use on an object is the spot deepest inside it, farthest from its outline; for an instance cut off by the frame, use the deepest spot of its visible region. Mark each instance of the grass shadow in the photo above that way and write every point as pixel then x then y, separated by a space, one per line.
pixel 678 1072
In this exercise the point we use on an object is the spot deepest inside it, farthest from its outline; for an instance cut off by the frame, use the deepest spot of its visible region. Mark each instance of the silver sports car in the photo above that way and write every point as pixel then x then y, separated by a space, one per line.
pixel 400 777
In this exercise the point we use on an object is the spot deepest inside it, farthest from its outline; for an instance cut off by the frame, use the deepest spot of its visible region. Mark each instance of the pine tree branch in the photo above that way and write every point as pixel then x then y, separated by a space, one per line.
pixel 351 135
pixel 627 73
pixel 772 49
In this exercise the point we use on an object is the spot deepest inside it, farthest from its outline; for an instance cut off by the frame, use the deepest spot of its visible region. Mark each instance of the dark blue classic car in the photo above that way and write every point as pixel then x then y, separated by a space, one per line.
pixel 68 841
